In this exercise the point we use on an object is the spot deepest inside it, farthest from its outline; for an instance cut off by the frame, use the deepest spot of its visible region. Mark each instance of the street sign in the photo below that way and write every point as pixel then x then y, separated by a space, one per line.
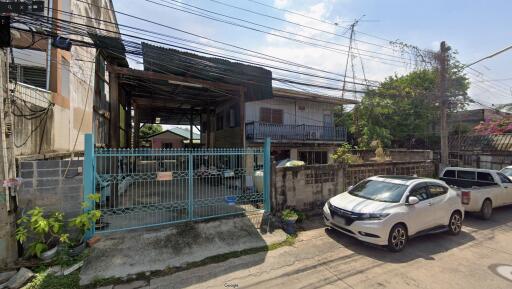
pixel 21 7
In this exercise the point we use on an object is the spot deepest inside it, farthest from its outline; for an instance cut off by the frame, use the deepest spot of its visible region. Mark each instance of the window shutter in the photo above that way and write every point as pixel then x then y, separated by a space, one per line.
pixel 266 115
pixel 277 116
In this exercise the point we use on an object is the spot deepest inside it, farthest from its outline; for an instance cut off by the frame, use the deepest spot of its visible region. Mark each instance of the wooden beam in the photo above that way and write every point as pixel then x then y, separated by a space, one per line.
pixel 128 123
pixel 114 110
pixel 136 125
pixel 191 128
pixel 209 127
pixel 242 116
pixel 170 77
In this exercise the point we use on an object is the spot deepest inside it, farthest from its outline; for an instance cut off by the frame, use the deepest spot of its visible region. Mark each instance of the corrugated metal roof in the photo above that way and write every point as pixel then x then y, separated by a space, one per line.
pixel 501 142
pixel 257 80
pixel 184 133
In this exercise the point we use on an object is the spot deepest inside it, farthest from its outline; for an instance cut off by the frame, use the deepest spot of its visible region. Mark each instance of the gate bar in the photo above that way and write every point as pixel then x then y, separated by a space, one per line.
pixel 88 178
pixel 266 176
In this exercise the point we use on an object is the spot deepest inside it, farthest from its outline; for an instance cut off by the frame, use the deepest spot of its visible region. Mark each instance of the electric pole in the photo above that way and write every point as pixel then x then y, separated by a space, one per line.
pixel 443 102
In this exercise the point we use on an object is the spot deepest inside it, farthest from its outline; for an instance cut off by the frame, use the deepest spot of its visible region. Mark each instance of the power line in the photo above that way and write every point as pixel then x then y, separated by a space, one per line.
pixel 374 58
pixel 265 56
pixel 293 23
pixel 181 8
pixel 319 20
pixel 489 56
pixel 237 59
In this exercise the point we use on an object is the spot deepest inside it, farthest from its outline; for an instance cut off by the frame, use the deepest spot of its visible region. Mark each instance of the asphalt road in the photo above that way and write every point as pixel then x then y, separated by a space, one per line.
pixel 480 257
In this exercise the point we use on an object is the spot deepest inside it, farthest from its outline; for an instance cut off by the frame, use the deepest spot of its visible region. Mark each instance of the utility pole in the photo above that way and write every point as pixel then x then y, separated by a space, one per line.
pixel 8 245
pixel 443 102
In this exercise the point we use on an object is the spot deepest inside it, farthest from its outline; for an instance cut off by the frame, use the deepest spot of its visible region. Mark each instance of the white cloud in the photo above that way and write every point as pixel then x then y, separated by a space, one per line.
pixel 280 3
pixel 318 57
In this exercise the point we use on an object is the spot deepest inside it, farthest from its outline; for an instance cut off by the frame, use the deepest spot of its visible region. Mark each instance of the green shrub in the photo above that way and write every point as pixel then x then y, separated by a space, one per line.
pixel 86 220
pixel 40 231
pixel 289 215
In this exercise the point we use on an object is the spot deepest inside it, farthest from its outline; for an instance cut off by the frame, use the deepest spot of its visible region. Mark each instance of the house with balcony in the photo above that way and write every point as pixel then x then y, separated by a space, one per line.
pixel 300 124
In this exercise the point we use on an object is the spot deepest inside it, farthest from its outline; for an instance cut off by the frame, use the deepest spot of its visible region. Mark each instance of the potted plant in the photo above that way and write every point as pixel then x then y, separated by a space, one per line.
pixel 81 224
pixel 289 218
pixel 43 233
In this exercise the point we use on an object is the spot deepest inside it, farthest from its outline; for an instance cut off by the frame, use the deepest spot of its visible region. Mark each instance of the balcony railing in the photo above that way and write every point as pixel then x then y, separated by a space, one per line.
pixel 293 132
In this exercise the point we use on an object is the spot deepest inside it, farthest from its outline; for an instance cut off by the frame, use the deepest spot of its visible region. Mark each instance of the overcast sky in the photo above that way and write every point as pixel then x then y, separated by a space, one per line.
pixel 474 28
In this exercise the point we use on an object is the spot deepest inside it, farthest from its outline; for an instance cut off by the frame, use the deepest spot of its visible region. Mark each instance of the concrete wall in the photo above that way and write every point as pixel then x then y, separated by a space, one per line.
pixel 308 188
pixel 398 155
pixel 294 111
pixel 44 185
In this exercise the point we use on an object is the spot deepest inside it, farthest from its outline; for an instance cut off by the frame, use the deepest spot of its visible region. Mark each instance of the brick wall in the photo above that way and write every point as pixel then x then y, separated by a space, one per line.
pixel 45 185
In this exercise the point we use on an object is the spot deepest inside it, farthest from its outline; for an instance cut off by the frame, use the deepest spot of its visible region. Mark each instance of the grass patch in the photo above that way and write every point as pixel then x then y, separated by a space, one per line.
pixel 50 281
pixel 44 280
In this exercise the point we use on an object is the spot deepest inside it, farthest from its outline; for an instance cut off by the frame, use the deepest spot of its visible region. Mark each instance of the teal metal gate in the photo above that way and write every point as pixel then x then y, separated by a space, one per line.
pixel 151 187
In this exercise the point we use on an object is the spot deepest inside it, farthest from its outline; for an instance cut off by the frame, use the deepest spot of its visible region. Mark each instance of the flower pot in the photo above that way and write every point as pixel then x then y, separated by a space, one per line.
pixel 77 249
pixel 289 226
pixel 50 254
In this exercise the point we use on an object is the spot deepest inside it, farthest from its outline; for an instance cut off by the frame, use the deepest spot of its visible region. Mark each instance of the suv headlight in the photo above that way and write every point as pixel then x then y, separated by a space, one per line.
pixel 373 216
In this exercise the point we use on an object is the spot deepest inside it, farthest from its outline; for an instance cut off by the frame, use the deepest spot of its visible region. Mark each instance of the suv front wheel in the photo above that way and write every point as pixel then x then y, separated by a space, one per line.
pixel 397 238
pixel 455 225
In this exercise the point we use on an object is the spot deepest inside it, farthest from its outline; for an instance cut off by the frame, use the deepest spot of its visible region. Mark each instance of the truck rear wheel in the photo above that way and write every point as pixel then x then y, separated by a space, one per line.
pixel 486 210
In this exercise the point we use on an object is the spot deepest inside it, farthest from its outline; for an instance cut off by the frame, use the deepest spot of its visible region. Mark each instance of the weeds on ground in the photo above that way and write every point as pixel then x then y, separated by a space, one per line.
pixel 45 280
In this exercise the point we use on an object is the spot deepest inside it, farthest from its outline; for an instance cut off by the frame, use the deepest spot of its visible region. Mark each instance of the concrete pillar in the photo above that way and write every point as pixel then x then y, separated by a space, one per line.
pixel 294 154
pixel 330 152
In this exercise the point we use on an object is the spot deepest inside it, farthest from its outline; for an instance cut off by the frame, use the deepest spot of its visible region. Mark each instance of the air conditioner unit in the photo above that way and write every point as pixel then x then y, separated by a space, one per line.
pixel 313 135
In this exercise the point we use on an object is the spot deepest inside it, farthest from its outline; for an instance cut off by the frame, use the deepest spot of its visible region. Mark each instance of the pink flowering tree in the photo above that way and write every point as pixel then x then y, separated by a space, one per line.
pixel 493 127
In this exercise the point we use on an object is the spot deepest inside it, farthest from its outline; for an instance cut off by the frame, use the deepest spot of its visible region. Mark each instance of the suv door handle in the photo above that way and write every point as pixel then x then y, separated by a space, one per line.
pixel 430 204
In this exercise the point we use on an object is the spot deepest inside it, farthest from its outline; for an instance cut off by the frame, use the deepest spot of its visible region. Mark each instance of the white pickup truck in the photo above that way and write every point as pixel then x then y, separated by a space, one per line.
pixel 481 190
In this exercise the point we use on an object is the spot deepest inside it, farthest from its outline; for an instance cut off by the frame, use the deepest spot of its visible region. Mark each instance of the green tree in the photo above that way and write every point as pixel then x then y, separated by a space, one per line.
pixel 405 108
pixel 149 129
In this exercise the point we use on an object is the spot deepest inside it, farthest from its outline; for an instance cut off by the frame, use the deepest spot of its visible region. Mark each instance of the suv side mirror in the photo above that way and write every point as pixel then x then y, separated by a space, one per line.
pixel 412 200
pixel 350 188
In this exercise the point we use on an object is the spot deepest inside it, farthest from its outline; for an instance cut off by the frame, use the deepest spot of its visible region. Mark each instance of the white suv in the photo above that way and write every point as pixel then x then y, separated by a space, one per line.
pixel 388 210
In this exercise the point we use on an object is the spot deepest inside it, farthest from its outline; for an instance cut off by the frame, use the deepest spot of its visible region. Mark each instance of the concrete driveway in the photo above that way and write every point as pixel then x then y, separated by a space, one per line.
pixel 327 259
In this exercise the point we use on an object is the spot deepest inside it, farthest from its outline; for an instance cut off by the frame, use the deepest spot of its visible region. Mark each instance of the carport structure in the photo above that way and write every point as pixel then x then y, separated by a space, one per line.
pixel 143 187
pixel 180 88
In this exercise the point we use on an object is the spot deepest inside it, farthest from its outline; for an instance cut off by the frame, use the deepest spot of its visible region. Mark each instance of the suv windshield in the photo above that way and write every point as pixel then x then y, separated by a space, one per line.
pixel 379 191
pixel 507 172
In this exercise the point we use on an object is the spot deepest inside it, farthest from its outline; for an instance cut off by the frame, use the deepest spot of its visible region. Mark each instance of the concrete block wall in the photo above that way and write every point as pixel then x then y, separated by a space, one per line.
pixel 47 185
pixel 307 188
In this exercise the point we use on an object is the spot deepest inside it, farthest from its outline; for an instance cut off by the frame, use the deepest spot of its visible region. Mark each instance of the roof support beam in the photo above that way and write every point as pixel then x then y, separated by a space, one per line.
pixel 174 79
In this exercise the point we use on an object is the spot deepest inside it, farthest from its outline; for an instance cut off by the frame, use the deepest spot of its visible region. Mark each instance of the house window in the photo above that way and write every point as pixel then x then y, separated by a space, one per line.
pixel 31 75
pixel 167 145
pixel 270 115
pixel 313 157
pixel 100 77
